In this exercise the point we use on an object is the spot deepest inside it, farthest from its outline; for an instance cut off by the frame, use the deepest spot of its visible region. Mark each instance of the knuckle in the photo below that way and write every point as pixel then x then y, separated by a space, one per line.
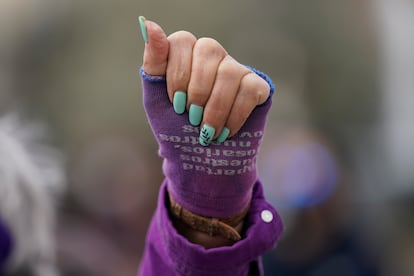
pixel 252 82
pixel 196 89
pixel 182 36
pixel 207 46
pixel 256 87
pixel 226 69
pixel 263 90
pixel 230 69
pixel 178 78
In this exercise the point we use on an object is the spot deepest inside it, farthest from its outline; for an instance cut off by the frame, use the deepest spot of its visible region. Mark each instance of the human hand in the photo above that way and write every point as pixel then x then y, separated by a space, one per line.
pixel 202 78
pixel 182 73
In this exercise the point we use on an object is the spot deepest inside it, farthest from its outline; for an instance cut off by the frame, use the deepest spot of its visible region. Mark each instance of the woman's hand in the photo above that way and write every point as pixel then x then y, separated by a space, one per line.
pixel 202 78
pixel 222 97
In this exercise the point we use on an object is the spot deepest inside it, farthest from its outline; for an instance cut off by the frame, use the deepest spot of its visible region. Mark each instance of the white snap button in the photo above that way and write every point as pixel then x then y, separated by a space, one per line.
pixel 266 216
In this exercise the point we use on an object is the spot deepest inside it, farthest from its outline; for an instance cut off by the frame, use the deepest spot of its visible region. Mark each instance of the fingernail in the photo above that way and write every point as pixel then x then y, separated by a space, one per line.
pixel 206 135
pixel 223 135
pixel 141 21
pixel 179 102
pixel 195 114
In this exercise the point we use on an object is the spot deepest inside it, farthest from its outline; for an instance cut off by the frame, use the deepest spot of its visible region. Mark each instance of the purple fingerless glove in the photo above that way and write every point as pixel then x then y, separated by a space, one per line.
pixel 213 181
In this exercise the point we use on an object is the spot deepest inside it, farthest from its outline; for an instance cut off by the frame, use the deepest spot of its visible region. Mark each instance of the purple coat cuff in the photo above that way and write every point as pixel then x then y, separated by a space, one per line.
pixel 169 253
pixel 5 245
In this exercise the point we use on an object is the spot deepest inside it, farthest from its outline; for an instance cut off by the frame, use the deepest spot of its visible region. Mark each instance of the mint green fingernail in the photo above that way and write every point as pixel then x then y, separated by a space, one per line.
pixel 195 114
pixel 141 21
pixel 223 135
pixel 179 102
pixel 206 135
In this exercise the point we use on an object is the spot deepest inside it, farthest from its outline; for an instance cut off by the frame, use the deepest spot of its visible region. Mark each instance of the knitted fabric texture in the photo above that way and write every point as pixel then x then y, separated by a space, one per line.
pixel 213 181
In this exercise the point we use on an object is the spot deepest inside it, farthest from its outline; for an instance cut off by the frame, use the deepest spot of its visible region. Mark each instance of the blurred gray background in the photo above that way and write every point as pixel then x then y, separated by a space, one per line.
pixel 343 72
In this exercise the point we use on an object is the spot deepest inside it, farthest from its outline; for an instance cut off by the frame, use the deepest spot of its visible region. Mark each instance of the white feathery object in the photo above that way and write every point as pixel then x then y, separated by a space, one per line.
pixel 31 178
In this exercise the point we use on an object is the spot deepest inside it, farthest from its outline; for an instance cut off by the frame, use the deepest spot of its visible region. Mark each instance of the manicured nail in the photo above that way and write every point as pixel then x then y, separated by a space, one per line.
pixel 223 135
pixel 195 114
pixel 206 135
pixel 141 21
pixel 179 102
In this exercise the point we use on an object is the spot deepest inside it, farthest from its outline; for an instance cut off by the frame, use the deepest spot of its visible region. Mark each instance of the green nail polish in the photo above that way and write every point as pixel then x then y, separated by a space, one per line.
pixel 179 102
pixel 141 21
pixel 195 114
pixel 223 135
pixel 206 135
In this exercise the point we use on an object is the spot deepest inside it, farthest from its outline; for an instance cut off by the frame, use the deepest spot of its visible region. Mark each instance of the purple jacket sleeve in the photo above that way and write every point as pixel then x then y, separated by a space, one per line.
pixel 169 253
pixel 5 245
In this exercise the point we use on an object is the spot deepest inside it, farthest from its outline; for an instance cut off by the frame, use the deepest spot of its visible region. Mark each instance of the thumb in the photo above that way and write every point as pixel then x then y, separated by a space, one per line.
pixel 156 47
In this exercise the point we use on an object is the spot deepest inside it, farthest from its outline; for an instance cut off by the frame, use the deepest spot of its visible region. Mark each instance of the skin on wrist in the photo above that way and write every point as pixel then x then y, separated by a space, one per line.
pixel 202 238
